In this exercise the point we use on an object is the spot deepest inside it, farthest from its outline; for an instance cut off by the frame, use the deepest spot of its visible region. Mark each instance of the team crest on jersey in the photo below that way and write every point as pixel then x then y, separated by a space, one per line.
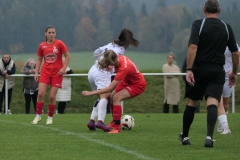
pixel 51 57
pixel 55 49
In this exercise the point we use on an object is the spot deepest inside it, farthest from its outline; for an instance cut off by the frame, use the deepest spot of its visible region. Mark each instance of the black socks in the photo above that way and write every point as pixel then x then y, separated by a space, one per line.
pixel 212 114
pixel 188 117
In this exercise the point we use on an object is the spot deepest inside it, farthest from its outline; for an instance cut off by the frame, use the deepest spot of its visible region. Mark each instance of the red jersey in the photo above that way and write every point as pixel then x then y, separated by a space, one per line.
pixel 128 72
pixel 52 54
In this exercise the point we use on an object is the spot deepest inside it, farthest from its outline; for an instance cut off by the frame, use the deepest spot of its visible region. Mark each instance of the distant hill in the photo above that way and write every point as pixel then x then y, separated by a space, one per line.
pixel 151 4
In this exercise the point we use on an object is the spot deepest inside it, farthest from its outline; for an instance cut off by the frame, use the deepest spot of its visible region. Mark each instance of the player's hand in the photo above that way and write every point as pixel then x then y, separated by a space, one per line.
pixel 230 72
pixel 86 93
pixel 61 71
pixel 232 80
pixel 36 77
pixel 190 78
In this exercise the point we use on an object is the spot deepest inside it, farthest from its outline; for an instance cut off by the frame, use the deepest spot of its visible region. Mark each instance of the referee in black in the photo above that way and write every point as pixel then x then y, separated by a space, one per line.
pixel 205 74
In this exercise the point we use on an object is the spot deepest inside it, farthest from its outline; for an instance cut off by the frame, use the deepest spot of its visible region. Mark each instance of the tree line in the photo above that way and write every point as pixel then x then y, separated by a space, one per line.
pixel 86 26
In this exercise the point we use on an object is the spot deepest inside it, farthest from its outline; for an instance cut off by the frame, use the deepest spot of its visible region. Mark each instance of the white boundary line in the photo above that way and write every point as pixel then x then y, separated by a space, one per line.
pixel 83 136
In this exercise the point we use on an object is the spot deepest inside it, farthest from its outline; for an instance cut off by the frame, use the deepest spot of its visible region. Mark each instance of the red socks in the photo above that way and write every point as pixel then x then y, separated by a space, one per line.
pixel 111 107
pixel 39 107
pixel 117 114
pixel 51 109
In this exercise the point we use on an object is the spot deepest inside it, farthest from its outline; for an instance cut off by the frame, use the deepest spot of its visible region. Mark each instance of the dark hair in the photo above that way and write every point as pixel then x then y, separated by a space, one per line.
pixel 48 27
pixel 6 54
pixel 126 38
pixel 109 58
pixel 212 6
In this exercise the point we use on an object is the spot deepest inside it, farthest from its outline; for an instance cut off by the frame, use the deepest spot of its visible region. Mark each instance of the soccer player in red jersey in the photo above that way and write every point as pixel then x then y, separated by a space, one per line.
pixel 128 83
pixel 51 50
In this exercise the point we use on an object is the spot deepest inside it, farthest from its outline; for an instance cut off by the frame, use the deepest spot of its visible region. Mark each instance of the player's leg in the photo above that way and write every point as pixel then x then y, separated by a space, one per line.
pixel 121 93
pixel 224 120
pixel 223 106
pixel 40 102
pixel 52 104
pixel 117 109
pixel 102 110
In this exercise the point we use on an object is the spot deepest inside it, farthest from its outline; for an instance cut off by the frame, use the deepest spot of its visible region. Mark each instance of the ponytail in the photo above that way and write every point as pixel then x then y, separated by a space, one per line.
pixel 126 38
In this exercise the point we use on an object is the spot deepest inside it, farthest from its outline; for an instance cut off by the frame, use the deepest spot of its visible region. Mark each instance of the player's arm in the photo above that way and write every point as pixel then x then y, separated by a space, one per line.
pixel 67 59
pixel 235 61
pixel 38 64
pixel 108 89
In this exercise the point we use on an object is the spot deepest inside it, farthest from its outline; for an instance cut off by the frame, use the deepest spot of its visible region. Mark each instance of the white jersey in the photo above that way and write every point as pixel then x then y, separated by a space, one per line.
pixel 98 53
pixel 97 78
pixel 228 60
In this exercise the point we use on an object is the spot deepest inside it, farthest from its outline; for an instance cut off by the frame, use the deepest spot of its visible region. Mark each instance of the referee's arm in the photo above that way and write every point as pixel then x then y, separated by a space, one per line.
pixel 192 50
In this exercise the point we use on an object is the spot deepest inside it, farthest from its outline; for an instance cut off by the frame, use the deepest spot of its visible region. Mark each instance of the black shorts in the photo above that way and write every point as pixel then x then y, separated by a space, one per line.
pixel 209 81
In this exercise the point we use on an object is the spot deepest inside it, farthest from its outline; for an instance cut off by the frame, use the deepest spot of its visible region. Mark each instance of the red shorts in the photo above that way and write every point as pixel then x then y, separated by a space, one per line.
pixel 54 80
pixel 134 90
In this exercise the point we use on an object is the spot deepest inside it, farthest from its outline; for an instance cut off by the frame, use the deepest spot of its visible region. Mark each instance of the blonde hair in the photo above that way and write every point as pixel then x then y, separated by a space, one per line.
pixel 109 58
pixel 171 54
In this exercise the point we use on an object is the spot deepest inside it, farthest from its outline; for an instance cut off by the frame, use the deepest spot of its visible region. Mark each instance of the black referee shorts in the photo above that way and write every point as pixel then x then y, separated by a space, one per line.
pixel 209 81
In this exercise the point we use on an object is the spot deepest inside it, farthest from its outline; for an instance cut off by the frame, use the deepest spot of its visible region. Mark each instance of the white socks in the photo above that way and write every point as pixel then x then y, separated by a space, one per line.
pixel 102 109
pixel 94 113
pixel 223 120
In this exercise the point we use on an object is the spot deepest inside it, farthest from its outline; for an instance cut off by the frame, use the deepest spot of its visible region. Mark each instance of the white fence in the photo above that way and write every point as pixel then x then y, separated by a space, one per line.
pixel 82 75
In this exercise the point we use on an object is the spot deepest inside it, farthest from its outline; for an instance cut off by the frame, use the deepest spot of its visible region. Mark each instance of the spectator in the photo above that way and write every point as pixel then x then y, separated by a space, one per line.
pixel 7 68
pixel 52 72
pixel 205 73
pixel 64 94
pixel 172 90
pixel 30 86
pixel 184 79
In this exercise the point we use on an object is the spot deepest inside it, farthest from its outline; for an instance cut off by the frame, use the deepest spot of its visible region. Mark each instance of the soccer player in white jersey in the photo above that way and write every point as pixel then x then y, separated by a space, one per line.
pixel 100 79
pixel 223 106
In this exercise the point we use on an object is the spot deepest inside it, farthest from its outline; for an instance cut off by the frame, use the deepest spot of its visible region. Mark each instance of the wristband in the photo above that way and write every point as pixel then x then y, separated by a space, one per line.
pixel 188 69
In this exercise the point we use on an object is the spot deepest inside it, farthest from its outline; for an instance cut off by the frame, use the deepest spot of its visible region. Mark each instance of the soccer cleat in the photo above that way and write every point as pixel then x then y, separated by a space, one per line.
pixel 185 141
pixel 49 121
pixel 208 142
pixel 102 126
pixel 226 130
pixel 111 125
pixel 36 120
pixel 91 126
pixel 114 131
pixel 219 128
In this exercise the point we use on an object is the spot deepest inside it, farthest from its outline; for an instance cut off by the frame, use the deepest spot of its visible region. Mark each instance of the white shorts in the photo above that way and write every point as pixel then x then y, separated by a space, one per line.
pixel 227 91
pixel 98 79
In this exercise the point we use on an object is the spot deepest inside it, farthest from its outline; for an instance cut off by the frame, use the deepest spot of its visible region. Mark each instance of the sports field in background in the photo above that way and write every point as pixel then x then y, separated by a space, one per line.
pixel 84 60
pixel 154 137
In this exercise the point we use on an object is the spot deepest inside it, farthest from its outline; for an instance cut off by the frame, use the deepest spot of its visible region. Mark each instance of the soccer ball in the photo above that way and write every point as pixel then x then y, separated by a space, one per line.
pixel 127 122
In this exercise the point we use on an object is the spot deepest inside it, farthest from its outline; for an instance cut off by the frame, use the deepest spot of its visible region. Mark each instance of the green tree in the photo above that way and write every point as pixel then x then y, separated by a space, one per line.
pixel 104 33
pixel 84 35
pixel 143 11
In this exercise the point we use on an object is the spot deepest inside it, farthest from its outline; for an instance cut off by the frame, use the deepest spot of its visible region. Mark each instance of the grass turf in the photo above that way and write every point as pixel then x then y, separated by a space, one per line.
pixel 155 136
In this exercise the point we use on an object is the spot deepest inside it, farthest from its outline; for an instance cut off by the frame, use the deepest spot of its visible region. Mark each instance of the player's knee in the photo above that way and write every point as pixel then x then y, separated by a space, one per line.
pixel 116 99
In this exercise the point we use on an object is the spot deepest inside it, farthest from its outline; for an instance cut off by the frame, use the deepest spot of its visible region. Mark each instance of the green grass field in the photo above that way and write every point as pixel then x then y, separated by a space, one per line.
pixel 84 60
pixel 154 137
